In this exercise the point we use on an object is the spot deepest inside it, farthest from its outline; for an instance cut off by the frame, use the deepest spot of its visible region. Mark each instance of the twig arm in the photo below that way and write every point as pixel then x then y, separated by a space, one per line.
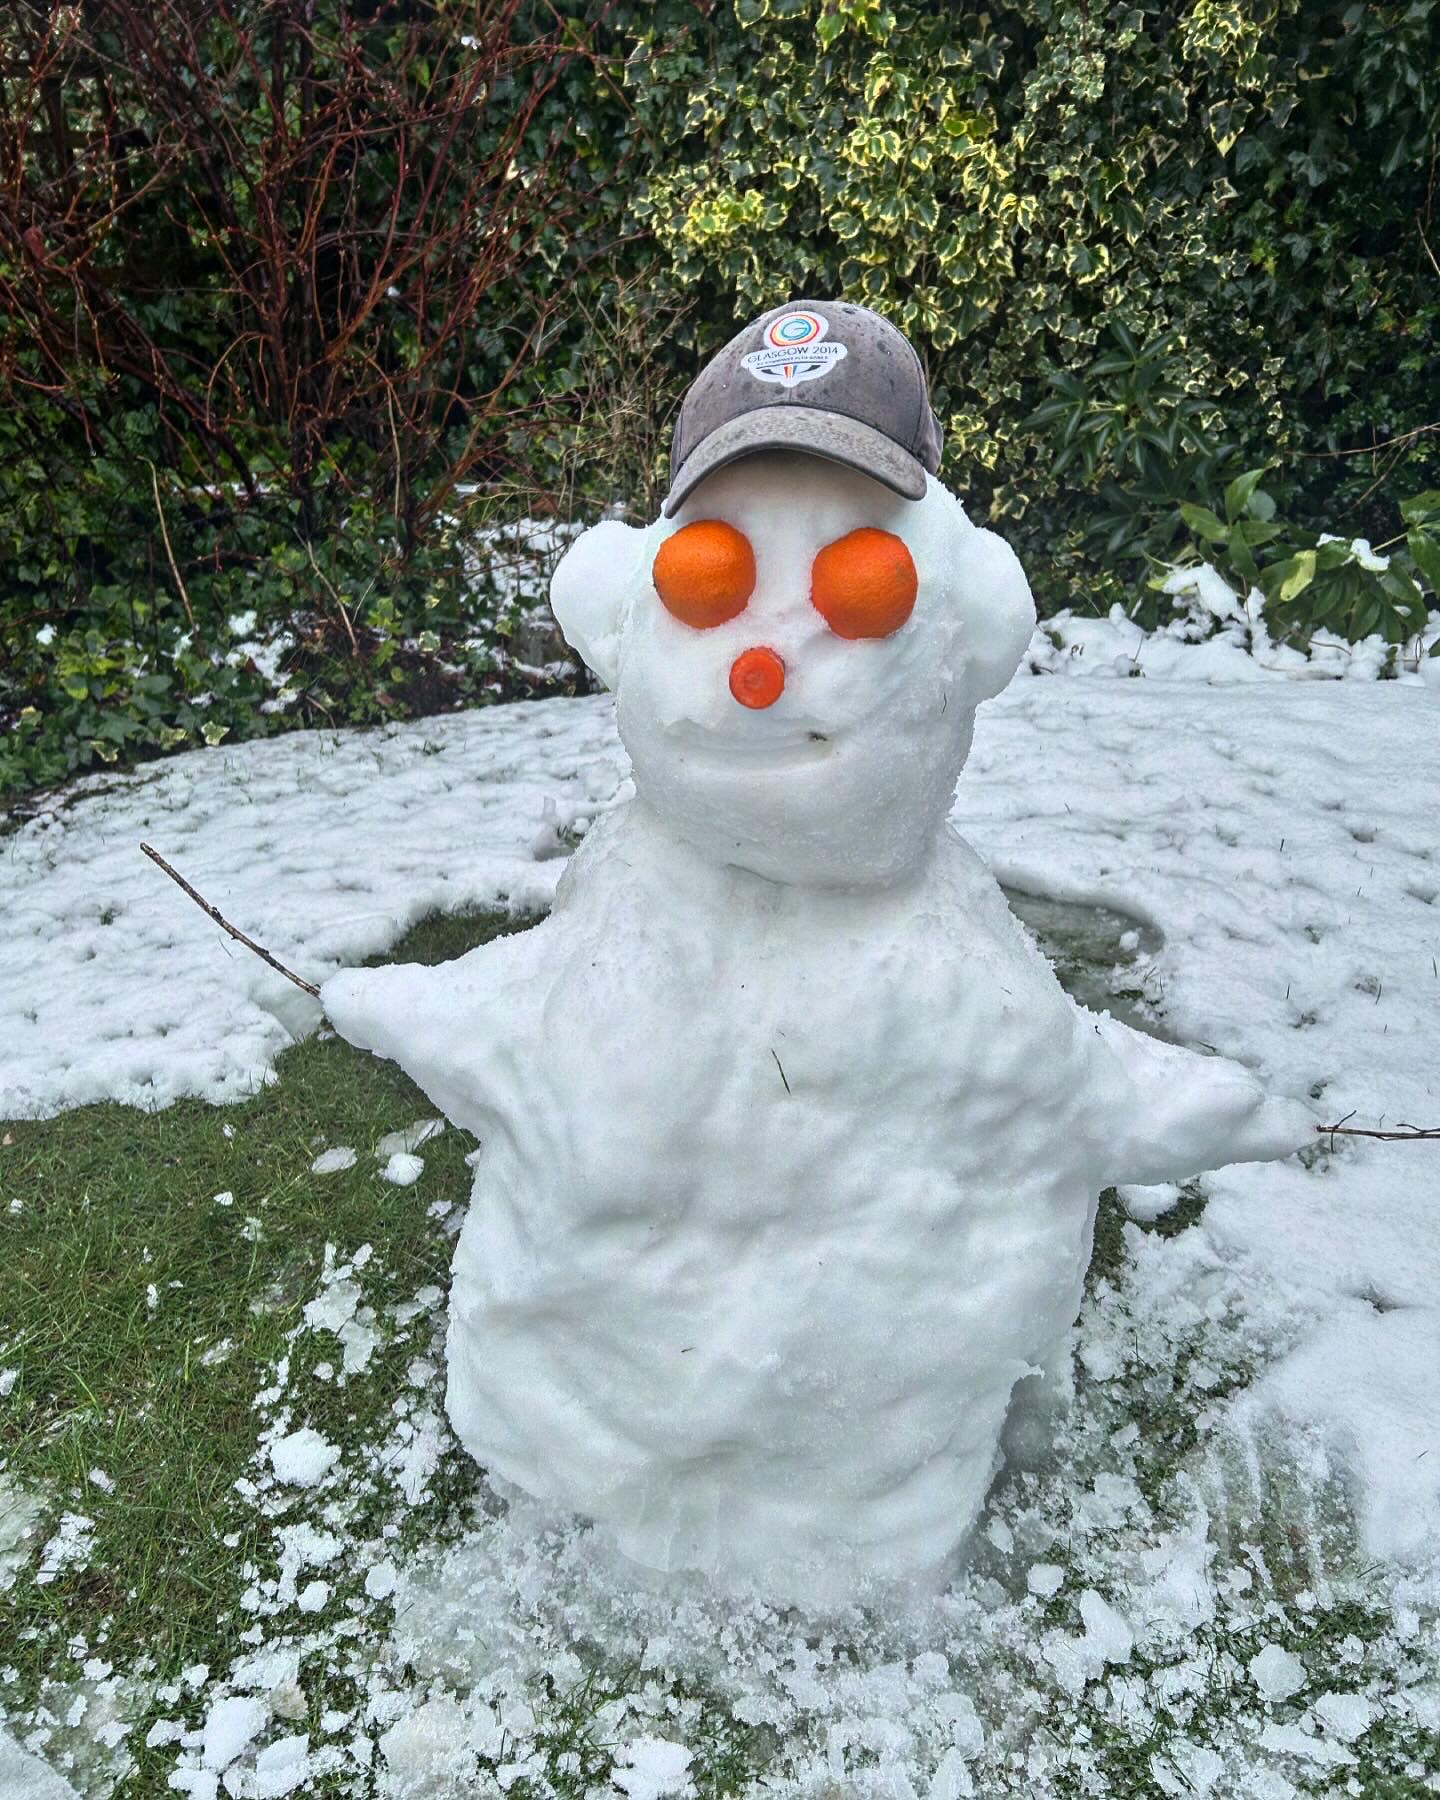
pixel 1411 1134
pixel 225 925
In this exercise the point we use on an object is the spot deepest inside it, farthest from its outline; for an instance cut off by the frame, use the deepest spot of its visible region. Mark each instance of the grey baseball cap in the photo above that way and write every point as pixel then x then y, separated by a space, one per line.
pixel 822 376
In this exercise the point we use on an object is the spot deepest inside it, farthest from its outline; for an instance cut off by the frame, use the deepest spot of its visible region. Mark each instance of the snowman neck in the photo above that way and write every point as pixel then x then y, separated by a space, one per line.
pixel 705 876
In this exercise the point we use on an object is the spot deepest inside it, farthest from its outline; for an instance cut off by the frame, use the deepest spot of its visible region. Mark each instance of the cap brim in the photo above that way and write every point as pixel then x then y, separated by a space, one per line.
pixel 831 435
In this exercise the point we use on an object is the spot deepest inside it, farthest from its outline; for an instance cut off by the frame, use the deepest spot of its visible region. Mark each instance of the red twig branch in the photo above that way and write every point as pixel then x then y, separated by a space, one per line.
pixel 345 301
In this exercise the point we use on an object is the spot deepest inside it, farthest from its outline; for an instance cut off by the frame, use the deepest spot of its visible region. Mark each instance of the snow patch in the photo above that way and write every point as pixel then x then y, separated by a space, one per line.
pixel 303 1458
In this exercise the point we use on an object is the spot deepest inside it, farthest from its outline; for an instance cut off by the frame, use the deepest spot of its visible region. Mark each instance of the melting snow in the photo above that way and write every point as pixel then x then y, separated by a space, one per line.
pixel 1277 831
pixel 331 1162
pixel 403 1170
pixel 411 1138
pixel 1277 1673
pixel 303 1458
pixel 650 1768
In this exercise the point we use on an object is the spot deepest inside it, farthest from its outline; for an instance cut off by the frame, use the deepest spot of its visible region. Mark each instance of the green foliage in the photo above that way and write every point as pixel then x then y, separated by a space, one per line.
pixel 1143 245
pixel 1125 430
pixel 245 372
pixel 1126 235
pixel 1311 581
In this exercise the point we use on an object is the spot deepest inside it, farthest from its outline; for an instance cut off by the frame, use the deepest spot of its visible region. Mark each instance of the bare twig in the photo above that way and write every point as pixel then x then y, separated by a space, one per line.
pixel 225 924
pixel 1412 1134
pixel 170 554
pixel 1426 242
pixel 1405 437
pixel 335 596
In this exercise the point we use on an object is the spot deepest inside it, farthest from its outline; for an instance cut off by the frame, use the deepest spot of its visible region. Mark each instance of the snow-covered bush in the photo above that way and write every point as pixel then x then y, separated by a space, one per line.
pixel 1311 581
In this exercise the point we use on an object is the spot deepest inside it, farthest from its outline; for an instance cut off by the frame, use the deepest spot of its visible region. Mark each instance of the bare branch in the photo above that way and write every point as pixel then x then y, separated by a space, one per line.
pixel 169 553
pixel 225 925
pixel 1411 1134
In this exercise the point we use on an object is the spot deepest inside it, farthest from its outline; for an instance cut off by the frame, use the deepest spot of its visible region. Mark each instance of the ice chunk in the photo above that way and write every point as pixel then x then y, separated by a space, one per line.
pixel 1277 1673
pixel 281 1767
pixel 303 1458
pixel 331 1162
pixel 231 1726
pixel 403 1170
pixel 1044 1579
pixel 411 1138
pixel 650 1768
pixel 380 1581
pixel 1106 1633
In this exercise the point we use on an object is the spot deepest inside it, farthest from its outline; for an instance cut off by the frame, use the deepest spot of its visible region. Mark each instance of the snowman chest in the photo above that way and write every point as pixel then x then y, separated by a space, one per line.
pixel 802 1058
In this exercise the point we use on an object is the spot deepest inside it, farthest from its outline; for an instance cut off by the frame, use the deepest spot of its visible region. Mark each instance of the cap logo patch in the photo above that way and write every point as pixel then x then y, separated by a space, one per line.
pixel 794 350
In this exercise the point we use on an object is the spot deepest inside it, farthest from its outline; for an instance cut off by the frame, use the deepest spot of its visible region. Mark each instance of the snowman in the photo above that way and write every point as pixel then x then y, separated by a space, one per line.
pixel 790 1140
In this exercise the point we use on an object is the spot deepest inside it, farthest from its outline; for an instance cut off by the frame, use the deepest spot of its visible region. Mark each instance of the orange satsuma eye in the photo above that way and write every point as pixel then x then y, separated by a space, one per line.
pixel 864 584
pixel 705 573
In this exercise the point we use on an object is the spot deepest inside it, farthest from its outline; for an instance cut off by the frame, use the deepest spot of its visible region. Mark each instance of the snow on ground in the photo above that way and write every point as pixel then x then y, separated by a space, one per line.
pixel 1280 833
pixel 325 847
pixel 24 1776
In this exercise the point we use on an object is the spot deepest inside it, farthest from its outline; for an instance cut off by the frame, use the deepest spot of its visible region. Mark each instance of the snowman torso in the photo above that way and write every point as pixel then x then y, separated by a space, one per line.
pixel 769 1216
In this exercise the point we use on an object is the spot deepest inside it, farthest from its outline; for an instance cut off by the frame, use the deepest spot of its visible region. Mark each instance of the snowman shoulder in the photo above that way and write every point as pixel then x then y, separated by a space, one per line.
pixel 984 966
pixel 976 894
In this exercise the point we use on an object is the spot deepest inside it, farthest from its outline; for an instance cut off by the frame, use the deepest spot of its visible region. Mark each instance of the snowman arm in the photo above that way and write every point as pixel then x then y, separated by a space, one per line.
pixel 437 1022
pixel 1162 1113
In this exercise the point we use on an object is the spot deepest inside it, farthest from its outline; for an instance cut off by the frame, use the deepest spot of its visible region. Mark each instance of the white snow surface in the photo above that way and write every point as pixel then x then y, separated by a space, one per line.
pixel 1279 832
pixel 24 1776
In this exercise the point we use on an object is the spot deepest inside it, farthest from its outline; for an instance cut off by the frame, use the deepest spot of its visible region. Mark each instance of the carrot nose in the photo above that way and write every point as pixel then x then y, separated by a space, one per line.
pixel 757 677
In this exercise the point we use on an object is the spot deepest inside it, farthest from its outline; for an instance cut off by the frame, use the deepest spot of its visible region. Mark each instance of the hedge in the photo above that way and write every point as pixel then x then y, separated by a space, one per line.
pixel 1143 247
pixel 249 438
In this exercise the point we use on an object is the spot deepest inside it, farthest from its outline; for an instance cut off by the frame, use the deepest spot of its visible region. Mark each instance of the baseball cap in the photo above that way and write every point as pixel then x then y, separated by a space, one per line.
pixel 822 376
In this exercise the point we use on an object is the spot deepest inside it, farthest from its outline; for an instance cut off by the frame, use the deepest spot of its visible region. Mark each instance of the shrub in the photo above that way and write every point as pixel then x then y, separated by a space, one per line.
pixel 300 296
pixel 1312 581
pixel 1205 220
pixel 269 275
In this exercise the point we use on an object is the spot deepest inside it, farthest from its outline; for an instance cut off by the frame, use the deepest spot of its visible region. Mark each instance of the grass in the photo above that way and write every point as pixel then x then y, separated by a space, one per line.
pixel 142 1316
pixel 154 1271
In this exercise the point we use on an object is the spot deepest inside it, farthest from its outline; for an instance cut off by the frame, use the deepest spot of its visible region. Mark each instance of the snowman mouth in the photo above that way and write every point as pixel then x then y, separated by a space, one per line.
pixel 795 744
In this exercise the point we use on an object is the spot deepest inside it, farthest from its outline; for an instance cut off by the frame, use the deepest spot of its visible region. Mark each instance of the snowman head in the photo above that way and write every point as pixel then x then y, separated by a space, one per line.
pixel 798 647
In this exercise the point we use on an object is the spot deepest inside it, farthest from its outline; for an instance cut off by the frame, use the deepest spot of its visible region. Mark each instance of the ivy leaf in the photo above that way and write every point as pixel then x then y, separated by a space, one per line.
pixel 1420 509
pixel 1365 620
pixel 1240 491
pixel 1404 590
pixel 1203 522
pixel 1286 581
pixel 1425 552
pixel 1241 554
